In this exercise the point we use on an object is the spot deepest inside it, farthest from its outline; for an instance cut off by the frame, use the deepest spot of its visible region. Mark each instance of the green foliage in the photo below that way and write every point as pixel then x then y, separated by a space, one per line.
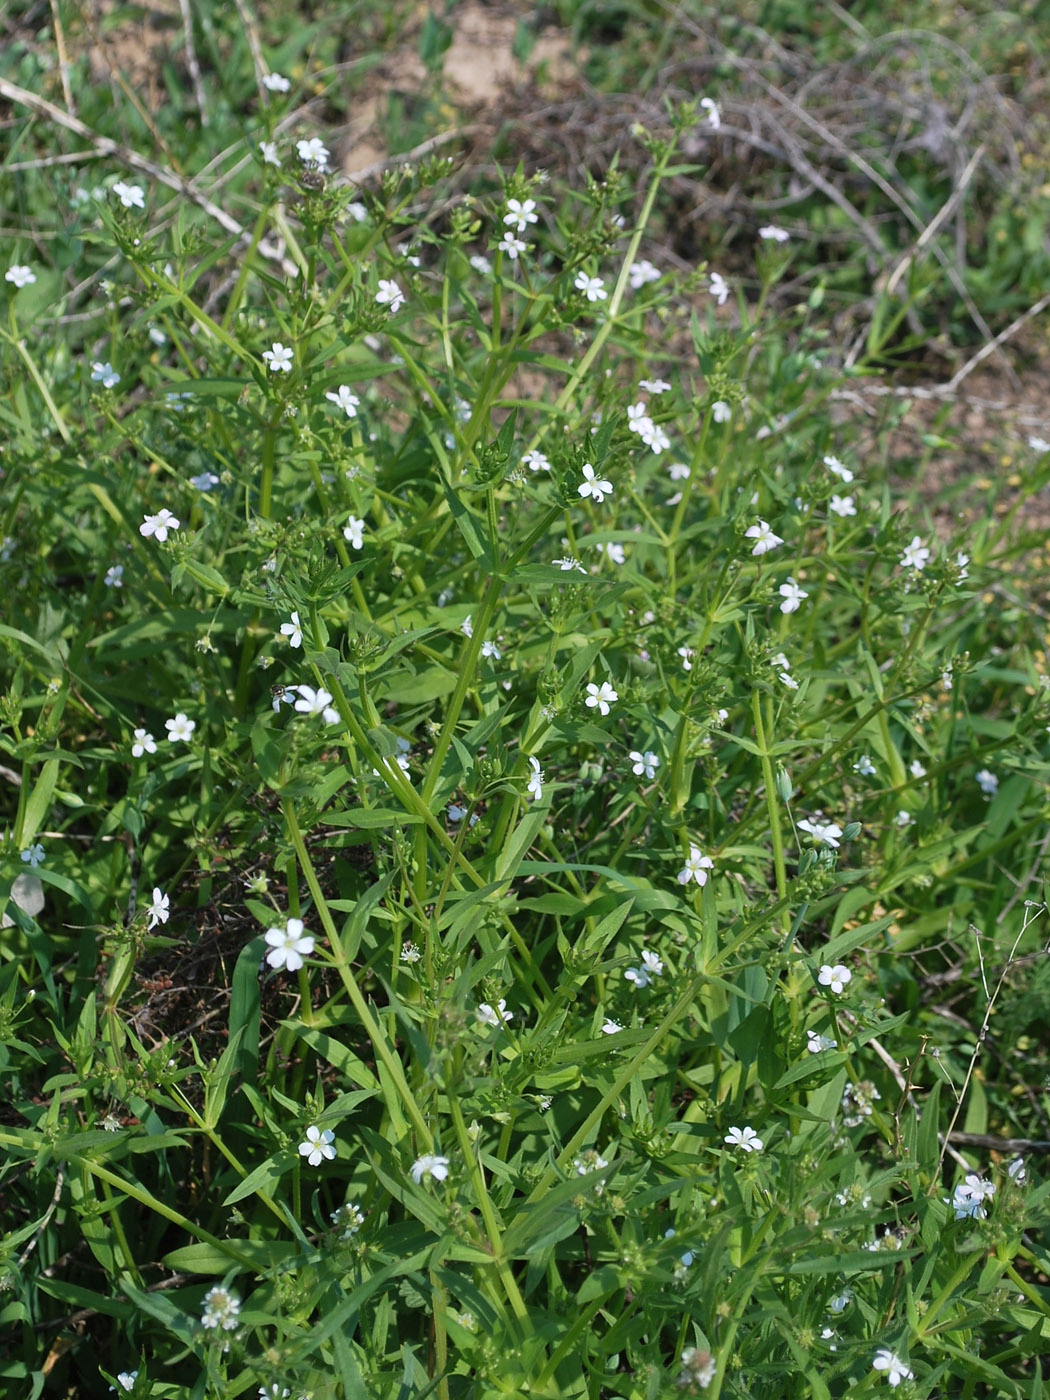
pixel 593 862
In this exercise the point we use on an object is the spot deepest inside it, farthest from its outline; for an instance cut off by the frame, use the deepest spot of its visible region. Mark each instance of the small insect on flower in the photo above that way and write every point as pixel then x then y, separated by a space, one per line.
pixel 318 1146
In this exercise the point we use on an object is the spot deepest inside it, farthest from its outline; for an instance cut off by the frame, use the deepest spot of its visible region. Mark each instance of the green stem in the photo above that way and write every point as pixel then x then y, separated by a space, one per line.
pixel 772 807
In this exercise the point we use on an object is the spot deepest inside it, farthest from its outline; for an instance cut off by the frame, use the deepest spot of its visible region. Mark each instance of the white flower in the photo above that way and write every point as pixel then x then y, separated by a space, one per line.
pixel 772 234
pixel 687 654
pixel 357 211
pixel 285 693
pixel 316 702
pixel 1016 1171
pixel 594 486
pixel 293 631
pixel 696 867
pixel 817 1043
pixel 429 1165
pixel 903 818
pixel 345 399
pixel 642 976
pixel 720 411
pixel 987 782
pixel 961 561
pixel 180 729
pixel 763 536
pixel 841 1301
pixel 644 763
pixel 33 855
pixel 221 1309
pixel 916 769
pixel 970 1195
pixel 130 196
pixel 916 556
pixel 567 565
pixel 864 766
pixel 656 439
pixel 158 911
pixel 534 786
pixel 144 743
pixel 348 1218
pixel 834 465
pixel 354 532
pixel 490 649
pixel 641 272
pixel 714 116
pixel 896 1370
pixel 835 977
pixel 390 294
pixel 654 386
pixel 593 288
pixel 204 481
pixel 480 264
pixel 313 152
pixel 318 1146
pixel 276 82
pixel 520 214
pixel 824 833
pixel 613 552
pixel 103 373
pixel 610 1027
pixel 1038 444
pixel 842 505
pixel 289 945
pixel 114 576
pixel 792 595
pixel 126 1380
pixel 719 288
pixel 20 275
pixel 409 952
pixel 159 524
pixel 698 1368
pixel 512 245
pixel 535 461
pixel 269 153
pixel 744 1138
pixel 279 358
pixel 487 1015
pixel 601 696
pixel 638 420
pixel 467 627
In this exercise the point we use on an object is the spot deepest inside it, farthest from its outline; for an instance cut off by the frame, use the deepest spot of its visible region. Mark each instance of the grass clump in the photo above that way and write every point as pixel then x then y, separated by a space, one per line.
pixel 496 785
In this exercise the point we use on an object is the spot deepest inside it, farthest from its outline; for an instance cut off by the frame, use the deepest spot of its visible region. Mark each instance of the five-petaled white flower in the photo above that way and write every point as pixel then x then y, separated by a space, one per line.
pixel 916 556
pixel 126 1380
pixel 818 1043
pixel 354 532
pixel 20 275
pixel 641 272
pixel 289 945
pixel 114 576
pixel 610 1027
pixel 269 153
pixel 721 411
pixel 279 358
pixel 987 782
pixel 313 152
pixel 744 1138
pixel 839 469
pixel 345 399
pixel 512 245
pixel 655 386
pixel 204 481
pixel 842 505
pixel 293 631
pixel 429 1165
pixel 158 911
pixel 276 82
pixel 536 461
pixel 487 1015
pixel 520 213
pixel 792 595
pixel 600 696
pixel 316 702
pixel 714 115
pixel 180 729
pixel 896 1370
pixel 144 743
pixel 644 763
pixel 534 787
pixel 593 288
pixel 593 485
pixel 102 372
pixel 770 233
pixel 390 294
pixel 33 855
pixel 763 536
pixel 318 1146
pixel 864 766
pixel 835 978
pixel 719 288
pixel 824 833
pixel 970 1196
pixel 696 867
pixel 158 525
pixel 130 196
pixel 651 967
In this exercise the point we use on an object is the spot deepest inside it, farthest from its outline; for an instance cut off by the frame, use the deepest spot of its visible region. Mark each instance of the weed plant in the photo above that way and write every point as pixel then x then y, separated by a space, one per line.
pixel 495 788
